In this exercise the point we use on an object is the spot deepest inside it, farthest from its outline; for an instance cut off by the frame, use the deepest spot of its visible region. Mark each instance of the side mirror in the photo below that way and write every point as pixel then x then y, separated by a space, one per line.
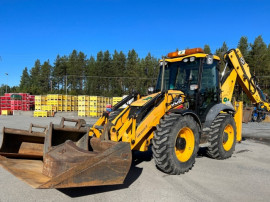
pixel 193 87
pixel 150 90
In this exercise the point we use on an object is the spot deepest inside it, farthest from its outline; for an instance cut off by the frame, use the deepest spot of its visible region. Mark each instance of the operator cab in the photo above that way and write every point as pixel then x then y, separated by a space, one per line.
pixel 195 76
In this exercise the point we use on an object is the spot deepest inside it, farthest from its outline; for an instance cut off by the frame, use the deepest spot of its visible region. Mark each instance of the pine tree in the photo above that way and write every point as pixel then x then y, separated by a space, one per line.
pixel 207 49
pixel 220 52
pixel 35 78
pixel 132 70
pixel 259 60
pixel 59 72
pixel 149 72
pixel 244 47
pixel 107 71
pixel 81 71
pixel 116 86
pixel 25 81
pixel 91 80
pixel 45 77
pixel 98 72
pixel 76 66
pixel 118 67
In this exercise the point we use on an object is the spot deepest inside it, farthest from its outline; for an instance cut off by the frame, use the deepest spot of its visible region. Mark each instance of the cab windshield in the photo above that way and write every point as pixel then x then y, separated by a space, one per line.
pixel 180 75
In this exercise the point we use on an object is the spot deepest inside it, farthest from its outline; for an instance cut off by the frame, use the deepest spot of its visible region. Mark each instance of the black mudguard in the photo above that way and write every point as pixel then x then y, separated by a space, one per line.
pixel 187 112
pixel 214 111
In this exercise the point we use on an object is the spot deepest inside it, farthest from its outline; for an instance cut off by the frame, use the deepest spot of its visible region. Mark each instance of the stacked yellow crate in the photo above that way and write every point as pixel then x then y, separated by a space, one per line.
pixel 46 107
pixel 104 101
pixel 102 106
pixel 39 101
pixel 74 103
pixel 94 105
pixel 6 112
pixel 40 114
pixel 115 100
pixel 67 103
pixel 56 101
pixel 49 109
pixel 107 101
pixel 83 105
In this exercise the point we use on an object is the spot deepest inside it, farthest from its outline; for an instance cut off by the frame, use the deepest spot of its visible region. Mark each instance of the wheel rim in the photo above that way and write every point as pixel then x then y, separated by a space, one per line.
pixel 184 154
pixel 228 137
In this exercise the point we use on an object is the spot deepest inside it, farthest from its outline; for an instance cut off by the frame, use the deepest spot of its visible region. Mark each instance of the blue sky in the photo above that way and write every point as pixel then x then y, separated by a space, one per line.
pixel 39 29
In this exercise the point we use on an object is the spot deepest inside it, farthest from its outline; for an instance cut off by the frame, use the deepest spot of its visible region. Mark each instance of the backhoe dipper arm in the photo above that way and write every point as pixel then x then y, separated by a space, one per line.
pixel 240 72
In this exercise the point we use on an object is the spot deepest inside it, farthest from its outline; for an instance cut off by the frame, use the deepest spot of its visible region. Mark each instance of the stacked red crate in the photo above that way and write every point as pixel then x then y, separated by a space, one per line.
pixel 5 103
pixel 24 95
pixel 8 94
pixel 26 103
pixel 16 104
pixel 32 101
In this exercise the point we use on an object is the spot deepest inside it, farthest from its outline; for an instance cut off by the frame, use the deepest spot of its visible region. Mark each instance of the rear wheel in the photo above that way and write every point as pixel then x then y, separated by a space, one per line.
pixel 176 143
pixel 222 137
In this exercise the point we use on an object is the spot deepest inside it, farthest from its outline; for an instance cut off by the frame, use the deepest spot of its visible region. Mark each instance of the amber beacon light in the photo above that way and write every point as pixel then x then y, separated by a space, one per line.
pixel 185 52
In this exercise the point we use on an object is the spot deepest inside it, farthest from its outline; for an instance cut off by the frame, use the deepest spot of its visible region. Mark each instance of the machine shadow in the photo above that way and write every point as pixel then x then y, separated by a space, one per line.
pixel 132 176
pixel 202 153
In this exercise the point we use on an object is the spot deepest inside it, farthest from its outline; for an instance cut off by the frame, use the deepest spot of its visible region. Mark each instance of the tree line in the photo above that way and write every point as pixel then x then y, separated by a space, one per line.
pixel 107 74
pixel 115 74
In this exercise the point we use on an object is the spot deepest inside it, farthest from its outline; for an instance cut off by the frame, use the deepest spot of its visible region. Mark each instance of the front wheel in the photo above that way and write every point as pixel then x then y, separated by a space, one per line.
pixel 176 143
pixel 222 137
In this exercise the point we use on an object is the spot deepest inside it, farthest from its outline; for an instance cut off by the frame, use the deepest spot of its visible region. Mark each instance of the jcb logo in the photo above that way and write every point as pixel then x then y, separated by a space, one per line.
pixel 177 102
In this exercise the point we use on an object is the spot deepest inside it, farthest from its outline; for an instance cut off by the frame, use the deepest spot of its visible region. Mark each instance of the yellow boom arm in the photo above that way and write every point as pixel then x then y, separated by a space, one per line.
pixel 240 72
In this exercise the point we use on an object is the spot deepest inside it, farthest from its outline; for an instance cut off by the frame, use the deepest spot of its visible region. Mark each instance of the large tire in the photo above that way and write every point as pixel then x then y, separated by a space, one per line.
pixel 176 143
pixel 222 137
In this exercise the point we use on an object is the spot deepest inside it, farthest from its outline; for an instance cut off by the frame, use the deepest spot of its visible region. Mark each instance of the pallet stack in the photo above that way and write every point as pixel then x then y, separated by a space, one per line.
pixel 28 102
pixel 40 106
pixel 5 105
pixel 16 101
pixel 95 106
pixel 91 106
pixel 67 102
pixel 74 103
pixel 56 101
pixel 83 105
pixel 40 113
pixel 40 100
pixel 115 100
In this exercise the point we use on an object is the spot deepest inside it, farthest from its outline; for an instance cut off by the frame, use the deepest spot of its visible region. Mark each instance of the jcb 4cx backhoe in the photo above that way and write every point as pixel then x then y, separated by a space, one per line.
pixel 190 107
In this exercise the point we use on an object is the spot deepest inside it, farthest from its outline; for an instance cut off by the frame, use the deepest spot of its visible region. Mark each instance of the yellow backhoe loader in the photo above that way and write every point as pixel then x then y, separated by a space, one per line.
pixel 191 106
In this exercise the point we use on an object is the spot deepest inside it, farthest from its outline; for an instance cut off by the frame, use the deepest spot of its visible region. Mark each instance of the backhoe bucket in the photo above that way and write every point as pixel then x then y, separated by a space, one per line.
pixel 23 143
pixel 70 159
pixel 247 114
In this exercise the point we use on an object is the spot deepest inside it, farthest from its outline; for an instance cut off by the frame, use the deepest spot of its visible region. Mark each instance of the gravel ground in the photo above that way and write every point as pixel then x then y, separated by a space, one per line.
pixel 244 177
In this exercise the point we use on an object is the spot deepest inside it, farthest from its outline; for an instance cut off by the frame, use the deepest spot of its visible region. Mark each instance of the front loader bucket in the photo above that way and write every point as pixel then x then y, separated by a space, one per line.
pixel 23 143
pixel 71 162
